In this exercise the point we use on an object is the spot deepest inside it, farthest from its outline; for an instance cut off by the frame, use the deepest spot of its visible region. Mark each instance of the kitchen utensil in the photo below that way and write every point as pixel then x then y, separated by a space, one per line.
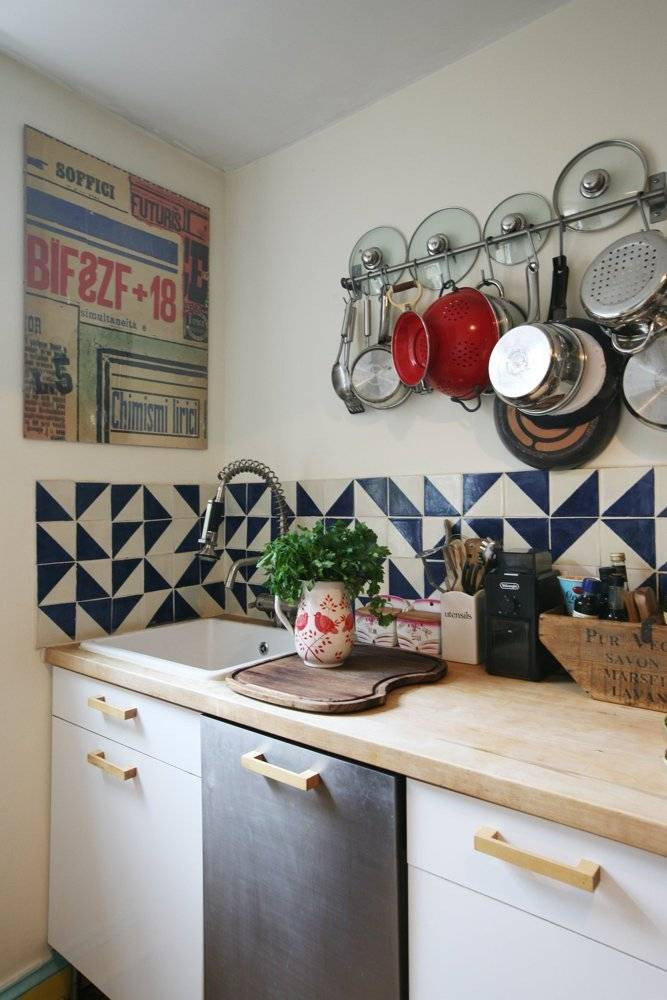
pixel 442 231
pixel 373 376
pixel 516 214
pixel 600 382
pixel 600 174
pixel 645 384
pixel 645 602
pixel 410 348
pixel 340 374
pixel 625 288
pixel 383 246
pixel 559 282
pixel 538 367
pixel 564 447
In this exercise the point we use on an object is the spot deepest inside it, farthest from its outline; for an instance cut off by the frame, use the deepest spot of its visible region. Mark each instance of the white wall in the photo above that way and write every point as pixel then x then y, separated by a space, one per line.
pixel 24 680
pixel 503 120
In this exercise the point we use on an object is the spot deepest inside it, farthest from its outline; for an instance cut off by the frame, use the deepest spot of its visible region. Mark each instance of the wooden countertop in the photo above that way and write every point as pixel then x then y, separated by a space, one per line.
pixel 545 749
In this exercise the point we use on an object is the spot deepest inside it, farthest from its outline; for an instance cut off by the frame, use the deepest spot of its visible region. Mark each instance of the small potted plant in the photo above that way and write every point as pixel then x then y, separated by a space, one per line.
pixel 324 570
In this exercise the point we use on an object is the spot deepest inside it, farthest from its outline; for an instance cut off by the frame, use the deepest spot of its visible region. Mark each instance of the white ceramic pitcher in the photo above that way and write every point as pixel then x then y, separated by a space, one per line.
pixel 324 626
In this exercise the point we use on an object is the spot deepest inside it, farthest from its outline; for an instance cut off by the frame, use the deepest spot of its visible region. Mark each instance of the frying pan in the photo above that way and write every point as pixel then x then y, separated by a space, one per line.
pixel 374 378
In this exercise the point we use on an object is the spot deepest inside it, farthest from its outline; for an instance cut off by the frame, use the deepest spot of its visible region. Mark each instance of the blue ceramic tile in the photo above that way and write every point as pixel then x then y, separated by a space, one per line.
pixel 330 521
pixel 64 616
pixel 190 575
pixel 232 524
pixel 534 484
pixel 47 507
pixel 182 610
pixel 638 533
pixel 165 611
pixel 485 527
pixel 121 532
pixel 121 608
pixel 153 509
pixel 88 547
pixel 434 575
pixel 399 585
pixel 377 489
pixel 87 494
pixel 100 612
pixel 153 579
pixel 305 505
pixel 240 493
pixel 153 532
pixel 411 530
pixel 190 542
pixel 48 576
pixel 401 505
pixel 344 505
pixel 533 530
pixel 87 587
pixel 638 499
pixel 566 531
pixel 435 503
pixel 662 586
pixel 121 570
pixel 49 550
pixel 217 592
pixel 255 525
pixel 121 494
pixel 584 501
pixel 475 485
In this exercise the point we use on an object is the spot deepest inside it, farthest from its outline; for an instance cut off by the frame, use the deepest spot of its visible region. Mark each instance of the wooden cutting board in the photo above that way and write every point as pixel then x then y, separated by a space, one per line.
pixel 364 680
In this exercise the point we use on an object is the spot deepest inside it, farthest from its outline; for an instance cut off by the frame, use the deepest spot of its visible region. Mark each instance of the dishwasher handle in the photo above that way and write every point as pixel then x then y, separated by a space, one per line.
pixel 256 762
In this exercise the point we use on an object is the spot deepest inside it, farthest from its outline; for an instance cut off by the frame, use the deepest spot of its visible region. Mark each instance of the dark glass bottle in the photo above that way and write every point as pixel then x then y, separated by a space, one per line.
pixel 615 609
pixel 587 604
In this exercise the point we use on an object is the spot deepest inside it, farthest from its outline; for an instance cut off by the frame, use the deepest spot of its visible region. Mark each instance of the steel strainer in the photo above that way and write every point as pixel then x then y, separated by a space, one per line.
pixel 625 289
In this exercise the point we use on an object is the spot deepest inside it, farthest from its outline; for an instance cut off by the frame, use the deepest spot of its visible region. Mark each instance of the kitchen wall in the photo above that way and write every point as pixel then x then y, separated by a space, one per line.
pixel 503 120
pixel 28 98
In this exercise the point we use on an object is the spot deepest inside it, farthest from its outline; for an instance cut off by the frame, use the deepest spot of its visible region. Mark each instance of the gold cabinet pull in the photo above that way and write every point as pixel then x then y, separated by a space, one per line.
pixel 585 875
pixel 103 706
pixel 257 762
pixel 98 759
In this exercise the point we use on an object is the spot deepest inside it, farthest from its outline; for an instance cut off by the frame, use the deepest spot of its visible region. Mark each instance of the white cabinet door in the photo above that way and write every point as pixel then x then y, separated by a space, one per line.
pixel 125 902
pixel 464 945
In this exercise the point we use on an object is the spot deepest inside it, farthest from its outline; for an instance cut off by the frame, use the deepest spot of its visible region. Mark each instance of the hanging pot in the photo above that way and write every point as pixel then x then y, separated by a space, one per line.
pixel 374 378
pixel 645 384
pixel 625 288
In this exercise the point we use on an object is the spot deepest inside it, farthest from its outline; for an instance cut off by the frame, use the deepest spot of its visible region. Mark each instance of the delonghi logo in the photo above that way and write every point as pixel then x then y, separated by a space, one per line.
pixel 509 586
pixel 456 614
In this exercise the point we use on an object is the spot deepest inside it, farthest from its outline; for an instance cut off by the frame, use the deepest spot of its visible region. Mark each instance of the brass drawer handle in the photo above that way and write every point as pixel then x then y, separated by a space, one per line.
pixel 103 706
pixel 585 875
pixel 255 761
pixel 98 759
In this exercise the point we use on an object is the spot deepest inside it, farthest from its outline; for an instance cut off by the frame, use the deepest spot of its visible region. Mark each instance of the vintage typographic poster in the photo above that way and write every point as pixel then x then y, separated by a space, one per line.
pixel 116 304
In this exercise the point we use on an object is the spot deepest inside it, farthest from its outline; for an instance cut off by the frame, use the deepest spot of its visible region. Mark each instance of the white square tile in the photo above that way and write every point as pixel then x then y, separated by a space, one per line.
pixel 626 492
pixel 371 504
pixel 49 633
pixel 63 492
pixel 100 508
pixel 406 496
pixel 163 493
pixel 443 495
pixel 433 531
pixel 378 525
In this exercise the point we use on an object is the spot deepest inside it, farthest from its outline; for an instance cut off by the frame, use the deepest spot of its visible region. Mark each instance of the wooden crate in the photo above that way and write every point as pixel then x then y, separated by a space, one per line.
pixel 610 660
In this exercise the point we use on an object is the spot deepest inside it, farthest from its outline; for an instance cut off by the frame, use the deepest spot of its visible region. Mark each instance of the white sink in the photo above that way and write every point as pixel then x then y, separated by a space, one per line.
pixel 207 647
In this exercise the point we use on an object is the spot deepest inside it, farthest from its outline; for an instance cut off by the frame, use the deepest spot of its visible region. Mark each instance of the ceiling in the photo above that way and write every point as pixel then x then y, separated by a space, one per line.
pixel 233 80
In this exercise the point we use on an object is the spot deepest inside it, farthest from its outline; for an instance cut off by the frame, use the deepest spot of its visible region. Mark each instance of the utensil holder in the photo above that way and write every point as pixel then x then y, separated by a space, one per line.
pixel 463 626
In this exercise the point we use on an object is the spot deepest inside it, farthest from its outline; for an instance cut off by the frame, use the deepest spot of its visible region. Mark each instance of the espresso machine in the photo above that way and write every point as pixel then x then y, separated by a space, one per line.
pixel 518 589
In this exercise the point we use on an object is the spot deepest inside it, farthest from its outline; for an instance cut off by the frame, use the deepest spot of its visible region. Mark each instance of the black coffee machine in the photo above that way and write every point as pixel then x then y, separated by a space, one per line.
pixel 518 589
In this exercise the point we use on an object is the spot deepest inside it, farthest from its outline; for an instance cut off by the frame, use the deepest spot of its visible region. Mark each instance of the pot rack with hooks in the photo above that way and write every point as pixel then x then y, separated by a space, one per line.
pixel 598 181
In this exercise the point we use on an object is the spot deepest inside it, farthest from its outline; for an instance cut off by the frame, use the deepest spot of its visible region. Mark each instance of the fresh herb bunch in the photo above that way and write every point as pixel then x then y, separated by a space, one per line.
pixel 308 555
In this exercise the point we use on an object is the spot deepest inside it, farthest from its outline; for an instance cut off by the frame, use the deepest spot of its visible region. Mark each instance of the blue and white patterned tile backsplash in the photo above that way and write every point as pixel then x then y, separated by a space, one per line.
pixel 121 556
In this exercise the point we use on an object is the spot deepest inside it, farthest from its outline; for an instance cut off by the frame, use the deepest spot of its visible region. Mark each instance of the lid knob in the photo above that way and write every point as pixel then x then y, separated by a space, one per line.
pixel 371 257
pixel 512 223
pixel 594 183
pixel 438 243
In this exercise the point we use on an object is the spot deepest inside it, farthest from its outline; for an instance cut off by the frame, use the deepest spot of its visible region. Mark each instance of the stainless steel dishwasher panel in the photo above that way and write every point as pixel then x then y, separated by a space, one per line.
pixel 304 890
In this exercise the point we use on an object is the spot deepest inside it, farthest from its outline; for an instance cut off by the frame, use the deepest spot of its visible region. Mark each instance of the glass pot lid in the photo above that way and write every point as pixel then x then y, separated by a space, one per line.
pixel 446 229
pixel 598 175
pixel 517 214
pixel 383 246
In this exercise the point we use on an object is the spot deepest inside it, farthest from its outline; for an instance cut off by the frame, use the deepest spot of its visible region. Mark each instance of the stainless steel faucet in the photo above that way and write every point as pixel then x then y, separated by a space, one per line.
pixel 215 511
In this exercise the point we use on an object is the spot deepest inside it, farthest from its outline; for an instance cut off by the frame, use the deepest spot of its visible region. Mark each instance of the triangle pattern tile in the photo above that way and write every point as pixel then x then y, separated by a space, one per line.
pixel 259 499
pixel 434 576
pixel 404 536
pixel 186 534
pixel 482 527
pixel 93 501
pixel 55 542
pixel 164 612
pixel 239 492
pixel 403 581
pixel 94 540
pixel 182 610
pixel 157 538
pixel 637 501
pixel 344 505
pixel 305 505
pixel 216 592
pixel 121 495
pixel 482 494
pixel 126 538
pixel 64 616
pixel 124 574
pixel 93 618
pixel 122 608
pixel 583 501
pixel 235 532
pixel 371 497
pixel 661 543
pixel 186 570
pixel 526 493
pixel 154 510
pixel 186 500
pixel 157 574
pixel 51 501
pixel 93 580
pixel 55 583
pixel 436 502
pixel 259 531
pixel 634 535
pixel 405 496
pixel 660 489
pixel 526 533
pixel 575 541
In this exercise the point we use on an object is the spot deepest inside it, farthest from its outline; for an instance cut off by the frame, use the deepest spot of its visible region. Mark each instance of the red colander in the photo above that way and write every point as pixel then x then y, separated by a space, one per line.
pixel 462 331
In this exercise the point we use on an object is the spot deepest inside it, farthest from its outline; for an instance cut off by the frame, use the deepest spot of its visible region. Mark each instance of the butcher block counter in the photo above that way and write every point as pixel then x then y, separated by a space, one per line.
pixel 545 749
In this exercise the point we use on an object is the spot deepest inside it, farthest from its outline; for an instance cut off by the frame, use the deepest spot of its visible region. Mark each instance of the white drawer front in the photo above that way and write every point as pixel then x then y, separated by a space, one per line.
pixel 125 895
pixel 628 909
pixel 465 946
pixel 167 732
